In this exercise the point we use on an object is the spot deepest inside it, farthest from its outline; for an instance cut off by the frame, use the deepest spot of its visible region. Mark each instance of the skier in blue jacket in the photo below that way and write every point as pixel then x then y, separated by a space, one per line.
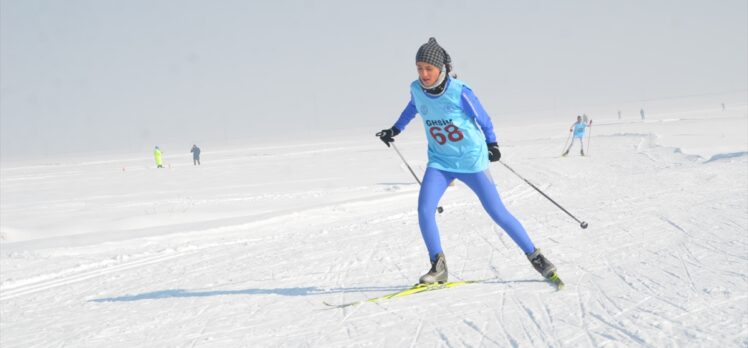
pixel 578 128
pixel 461 142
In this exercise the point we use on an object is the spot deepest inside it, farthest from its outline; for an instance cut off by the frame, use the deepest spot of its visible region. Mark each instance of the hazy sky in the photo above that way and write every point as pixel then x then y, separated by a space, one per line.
pixel 118 76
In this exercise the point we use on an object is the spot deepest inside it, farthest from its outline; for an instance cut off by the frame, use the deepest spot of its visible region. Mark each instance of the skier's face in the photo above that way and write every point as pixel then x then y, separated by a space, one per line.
pixel 427 73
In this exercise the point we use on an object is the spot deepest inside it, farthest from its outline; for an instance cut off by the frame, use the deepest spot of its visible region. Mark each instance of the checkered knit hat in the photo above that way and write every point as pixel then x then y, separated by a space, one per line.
pixel 435 55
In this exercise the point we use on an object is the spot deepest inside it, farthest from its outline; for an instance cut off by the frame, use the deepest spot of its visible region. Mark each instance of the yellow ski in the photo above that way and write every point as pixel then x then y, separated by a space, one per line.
pixel 415 289
pixel 555 280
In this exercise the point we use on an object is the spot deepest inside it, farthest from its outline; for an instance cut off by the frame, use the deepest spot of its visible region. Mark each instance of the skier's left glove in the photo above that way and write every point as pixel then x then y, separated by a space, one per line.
pixel 493 152
pixel 386 135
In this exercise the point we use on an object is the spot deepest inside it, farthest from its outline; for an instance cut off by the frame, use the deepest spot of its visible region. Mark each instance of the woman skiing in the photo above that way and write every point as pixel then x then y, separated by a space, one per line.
pixel 461 142
pixel 578 128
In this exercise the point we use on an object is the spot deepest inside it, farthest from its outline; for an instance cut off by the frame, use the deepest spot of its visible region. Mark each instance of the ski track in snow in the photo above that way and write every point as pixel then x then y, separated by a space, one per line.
pixel 662 263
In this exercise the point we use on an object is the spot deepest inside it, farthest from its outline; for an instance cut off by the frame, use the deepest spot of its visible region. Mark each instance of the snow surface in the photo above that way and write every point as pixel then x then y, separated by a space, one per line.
pixel 243 250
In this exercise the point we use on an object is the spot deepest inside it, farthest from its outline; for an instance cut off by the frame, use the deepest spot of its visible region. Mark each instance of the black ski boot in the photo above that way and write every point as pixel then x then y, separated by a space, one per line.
pixel 541 264
pixel 438 272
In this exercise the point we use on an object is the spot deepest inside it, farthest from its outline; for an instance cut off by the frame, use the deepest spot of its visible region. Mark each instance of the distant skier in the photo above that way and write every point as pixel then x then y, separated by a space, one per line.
pixel 157 157
pixel 461 142
pixel 578 128
pixel 195 155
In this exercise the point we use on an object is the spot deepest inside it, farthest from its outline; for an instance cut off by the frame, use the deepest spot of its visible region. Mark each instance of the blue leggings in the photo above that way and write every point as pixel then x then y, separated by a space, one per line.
pixel 581 142
pixel 435 182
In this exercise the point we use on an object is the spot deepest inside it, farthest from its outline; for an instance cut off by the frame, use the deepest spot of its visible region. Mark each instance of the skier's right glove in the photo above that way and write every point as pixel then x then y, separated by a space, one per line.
pixel 386 135
pixel 493 152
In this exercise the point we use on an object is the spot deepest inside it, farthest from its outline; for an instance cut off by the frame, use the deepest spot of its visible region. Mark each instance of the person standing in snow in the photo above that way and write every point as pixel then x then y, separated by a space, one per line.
pixel 578 128
pixel 461 142
pixel 195 155
pixel 157 157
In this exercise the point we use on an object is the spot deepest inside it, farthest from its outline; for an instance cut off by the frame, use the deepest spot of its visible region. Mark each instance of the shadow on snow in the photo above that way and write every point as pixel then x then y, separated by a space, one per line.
pixel 177 293
pixel 301 291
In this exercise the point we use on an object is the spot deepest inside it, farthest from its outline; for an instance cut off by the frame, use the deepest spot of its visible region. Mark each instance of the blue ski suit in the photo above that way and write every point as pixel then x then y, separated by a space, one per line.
pixel 457 129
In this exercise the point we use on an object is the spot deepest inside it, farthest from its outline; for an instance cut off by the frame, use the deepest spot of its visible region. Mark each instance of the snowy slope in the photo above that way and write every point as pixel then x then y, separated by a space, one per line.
pixel 243 250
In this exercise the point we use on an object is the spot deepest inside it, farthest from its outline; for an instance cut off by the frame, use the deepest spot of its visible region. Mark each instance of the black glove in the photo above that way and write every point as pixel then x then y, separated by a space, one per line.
pixel 386 135
pixel 493 152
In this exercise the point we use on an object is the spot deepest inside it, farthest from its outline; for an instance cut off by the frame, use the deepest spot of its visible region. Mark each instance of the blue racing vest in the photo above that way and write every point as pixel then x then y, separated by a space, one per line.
pixel 456 142
pixel 579 129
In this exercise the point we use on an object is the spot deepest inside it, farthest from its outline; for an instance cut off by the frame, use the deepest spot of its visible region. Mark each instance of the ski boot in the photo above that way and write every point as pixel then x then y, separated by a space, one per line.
pixel 545 268
pixel 541 264
pixel 565 153
pixel 581 152
pixel 438 272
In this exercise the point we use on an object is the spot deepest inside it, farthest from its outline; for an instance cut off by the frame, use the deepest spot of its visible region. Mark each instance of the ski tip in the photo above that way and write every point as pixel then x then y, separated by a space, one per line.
pixel 555 280
pixel 341 305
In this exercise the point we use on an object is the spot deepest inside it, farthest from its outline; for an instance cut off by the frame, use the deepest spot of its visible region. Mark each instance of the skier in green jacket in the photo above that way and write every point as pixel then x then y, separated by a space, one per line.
pixel 157 157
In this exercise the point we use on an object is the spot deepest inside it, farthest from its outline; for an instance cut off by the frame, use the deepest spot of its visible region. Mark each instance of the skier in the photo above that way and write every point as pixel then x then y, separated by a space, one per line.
pixel 461 141
pixel 195 155
pixel 578 128
pixel 157 157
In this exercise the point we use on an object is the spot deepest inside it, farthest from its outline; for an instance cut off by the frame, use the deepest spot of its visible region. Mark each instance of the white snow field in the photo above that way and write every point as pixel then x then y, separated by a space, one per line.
pixel 243 250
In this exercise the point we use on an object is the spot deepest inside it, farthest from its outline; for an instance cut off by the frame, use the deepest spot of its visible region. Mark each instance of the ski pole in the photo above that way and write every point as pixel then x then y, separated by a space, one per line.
pixel 439 208
pixel 582 224
pixel 566 142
